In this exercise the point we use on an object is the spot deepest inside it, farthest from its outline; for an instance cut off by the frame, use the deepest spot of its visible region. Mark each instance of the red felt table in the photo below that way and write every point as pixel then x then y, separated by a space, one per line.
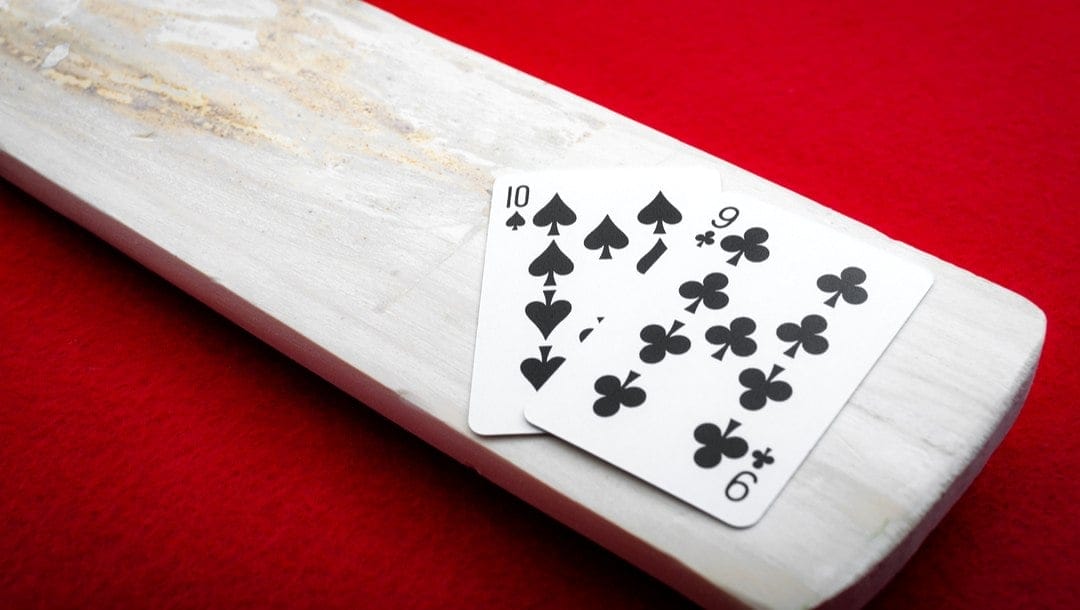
pixel 153 454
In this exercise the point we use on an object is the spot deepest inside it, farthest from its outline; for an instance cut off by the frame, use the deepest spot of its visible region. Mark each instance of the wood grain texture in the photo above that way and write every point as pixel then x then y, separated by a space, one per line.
pixel 320 173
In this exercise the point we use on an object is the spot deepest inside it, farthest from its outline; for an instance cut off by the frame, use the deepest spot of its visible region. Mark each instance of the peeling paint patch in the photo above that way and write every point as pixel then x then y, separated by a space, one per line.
pixel 306 59
pixel 115 96
pixel 68 79
pixel 207 34
pixel 57 55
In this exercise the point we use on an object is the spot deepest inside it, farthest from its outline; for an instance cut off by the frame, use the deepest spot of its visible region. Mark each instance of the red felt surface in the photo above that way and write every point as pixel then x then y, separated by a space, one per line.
pixel 152 454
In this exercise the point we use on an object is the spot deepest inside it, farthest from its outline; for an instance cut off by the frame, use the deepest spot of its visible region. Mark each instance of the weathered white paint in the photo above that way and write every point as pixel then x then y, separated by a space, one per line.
pixel 59 10
pixel 326 189
pixel 239 9
pixel 205 34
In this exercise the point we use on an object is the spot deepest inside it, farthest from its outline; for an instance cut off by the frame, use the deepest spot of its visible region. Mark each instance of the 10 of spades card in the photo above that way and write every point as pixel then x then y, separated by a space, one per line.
pixel 698 339
pixel 555 259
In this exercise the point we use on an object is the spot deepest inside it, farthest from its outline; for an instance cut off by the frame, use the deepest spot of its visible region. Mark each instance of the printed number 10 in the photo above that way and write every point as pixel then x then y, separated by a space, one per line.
pixel 517 197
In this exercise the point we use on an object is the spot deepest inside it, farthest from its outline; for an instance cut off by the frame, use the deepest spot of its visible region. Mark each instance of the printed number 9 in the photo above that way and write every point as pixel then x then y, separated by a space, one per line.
pixel 728 216
pixel 518 197
pixel 737 490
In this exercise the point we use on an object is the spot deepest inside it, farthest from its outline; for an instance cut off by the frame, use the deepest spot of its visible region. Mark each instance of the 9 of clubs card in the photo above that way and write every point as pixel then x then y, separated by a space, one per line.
pixel 707 340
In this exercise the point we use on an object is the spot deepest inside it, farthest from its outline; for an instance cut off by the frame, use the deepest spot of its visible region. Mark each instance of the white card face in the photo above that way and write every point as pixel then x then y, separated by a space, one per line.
pixel 715 373
pixel 561 246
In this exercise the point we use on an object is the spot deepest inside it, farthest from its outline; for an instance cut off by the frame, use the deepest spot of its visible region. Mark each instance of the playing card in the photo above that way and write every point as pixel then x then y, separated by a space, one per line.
pixel 562 246
pixel 715 375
